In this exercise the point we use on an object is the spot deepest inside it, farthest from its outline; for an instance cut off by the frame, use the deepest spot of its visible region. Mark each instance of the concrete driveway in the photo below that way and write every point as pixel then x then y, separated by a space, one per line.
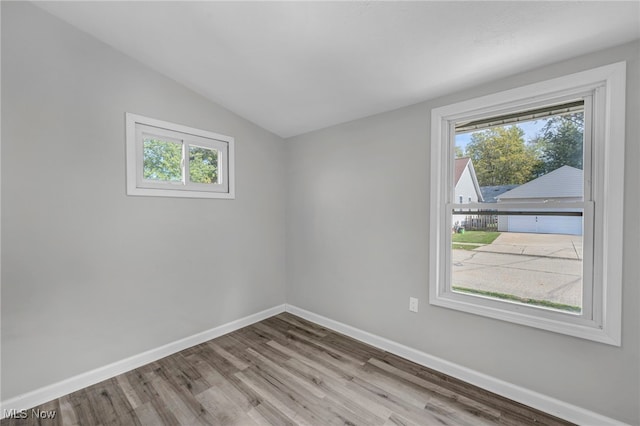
pixel 534 266
pixel 547 245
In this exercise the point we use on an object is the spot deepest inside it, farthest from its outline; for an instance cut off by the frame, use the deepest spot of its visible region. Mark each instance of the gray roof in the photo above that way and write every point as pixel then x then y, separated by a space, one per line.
pixel 490 193
pixel 564 182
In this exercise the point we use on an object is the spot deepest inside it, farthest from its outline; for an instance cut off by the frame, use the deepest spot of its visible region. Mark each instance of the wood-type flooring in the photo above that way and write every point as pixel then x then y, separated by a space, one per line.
pixel 283 371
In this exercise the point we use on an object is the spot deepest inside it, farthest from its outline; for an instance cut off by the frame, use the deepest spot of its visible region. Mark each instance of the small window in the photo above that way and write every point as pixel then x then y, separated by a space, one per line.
pixel 169 160
pixel 539 243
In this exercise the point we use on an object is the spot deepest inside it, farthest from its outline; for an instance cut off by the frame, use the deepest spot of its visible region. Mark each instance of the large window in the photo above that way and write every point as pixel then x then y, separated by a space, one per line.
pixel 167 159
pixel 526 204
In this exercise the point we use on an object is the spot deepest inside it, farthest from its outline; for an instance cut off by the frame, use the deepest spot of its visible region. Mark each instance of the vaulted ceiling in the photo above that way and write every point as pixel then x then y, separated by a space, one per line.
pixel 293 67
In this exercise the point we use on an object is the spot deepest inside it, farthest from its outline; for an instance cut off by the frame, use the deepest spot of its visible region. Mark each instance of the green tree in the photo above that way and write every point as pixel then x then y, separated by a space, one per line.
pixel 459 152
pixel 500 156
pixel 203 165
pixel 536 146
pixel 561 142
pixel 162 160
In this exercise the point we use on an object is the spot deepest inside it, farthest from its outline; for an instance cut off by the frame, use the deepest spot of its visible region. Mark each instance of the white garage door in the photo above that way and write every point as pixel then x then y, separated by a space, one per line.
pixel 523 224
pixel 546 224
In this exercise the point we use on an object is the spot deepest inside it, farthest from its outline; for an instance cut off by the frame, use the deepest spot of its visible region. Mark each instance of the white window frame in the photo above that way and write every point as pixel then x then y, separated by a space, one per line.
pixel 137 126
pixel 604 89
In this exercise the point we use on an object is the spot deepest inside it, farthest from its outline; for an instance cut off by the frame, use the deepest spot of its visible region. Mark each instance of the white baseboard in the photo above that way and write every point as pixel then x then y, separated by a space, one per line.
pixel 65 387
pixel 516 393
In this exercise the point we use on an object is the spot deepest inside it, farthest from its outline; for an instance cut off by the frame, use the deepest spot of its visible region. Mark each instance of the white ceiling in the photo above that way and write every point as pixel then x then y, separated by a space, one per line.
pixel 293 67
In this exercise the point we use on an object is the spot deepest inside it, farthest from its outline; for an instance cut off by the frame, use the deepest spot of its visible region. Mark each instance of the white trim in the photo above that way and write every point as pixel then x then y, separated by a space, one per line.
pixel 72 384
pixel 516 393
pixel 600 321
pixel 225 145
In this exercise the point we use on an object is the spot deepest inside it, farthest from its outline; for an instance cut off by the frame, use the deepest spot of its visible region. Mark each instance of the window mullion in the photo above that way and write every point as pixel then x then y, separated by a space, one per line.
pixel 449 160
pixel 503 206
pixel 139 156
pixel 588 151
pixel 185 163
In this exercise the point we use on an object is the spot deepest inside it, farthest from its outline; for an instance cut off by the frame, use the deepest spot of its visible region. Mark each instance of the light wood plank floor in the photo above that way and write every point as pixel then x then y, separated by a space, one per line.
pixel 285 371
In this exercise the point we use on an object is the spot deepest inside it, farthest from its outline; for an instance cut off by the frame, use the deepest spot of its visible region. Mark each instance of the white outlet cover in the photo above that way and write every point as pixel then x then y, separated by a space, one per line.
pixel 413 304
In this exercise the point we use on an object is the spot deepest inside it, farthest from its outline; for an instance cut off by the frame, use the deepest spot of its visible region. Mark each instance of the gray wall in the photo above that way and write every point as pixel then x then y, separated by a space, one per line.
pixel 89 275
pixel 358 246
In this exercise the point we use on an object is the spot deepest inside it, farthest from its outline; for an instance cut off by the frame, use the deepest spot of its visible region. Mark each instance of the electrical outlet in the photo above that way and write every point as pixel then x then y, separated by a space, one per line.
pixel 413 304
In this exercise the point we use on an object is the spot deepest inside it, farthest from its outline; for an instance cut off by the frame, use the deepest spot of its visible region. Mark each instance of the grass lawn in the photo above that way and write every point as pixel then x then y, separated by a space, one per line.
pixel 478 237
pixel 513 298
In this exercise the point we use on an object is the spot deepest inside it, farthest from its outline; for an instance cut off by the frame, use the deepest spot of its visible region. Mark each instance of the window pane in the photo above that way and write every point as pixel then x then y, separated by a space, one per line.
pixel 537 262
pixel 162 160
pixel 522 255
pixel 504 157
pixel 203 165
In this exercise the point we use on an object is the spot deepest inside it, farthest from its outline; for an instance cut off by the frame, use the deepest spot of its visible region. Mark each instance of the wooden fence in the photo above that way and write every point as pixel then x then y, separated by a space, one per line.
pixel 485 222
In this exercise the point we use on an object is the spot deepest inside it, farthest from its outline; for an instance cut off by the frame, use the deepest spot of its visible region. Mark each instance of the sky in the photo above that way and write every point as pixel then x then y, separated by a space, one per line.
pixel 531 129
